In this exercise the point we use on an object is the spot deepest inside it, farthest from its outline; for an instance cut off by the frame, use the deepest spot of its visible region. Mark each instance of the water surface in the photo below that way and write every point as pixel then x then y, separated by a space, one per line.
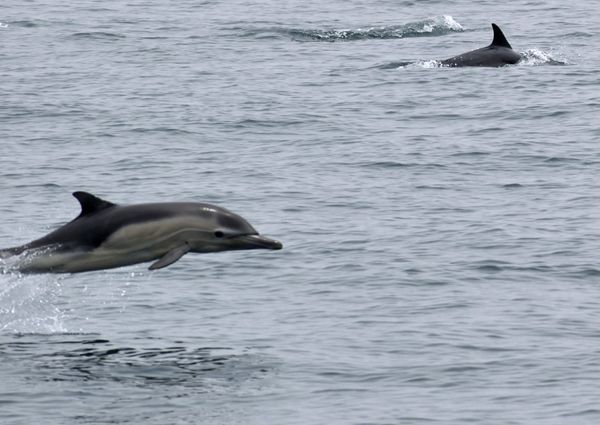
pixel 440 226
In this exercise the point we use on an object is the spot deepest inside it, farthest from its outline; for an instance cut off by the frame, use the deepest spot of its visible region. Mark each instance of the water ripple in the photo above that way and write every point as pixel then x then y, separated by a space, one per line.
pixel 69 357
pixel 435 26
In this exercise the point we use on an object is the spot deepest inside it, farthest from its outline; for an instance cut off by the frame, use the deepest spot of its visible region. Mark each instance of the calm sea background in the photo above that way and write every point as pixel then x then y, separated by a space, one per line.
pixel 441 227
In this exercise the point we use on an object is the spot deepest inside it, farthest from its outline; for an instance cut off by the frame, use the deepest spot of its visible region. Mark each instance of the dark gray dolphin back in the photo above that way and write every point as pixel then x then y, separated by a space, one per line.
pixel 97 220
pixel 76 232
pixel 498 53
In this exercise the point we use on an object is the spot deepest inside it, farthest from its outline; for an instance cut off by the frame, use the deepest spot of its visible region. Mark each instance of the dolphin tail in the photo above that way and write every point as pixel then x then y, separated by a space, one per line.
pixel 499 38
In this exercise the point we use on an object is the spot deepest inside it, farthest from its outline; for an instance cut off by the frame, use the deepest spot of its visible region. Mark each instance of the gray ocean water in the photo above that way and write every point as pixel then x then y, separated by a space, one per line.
pixel 441 227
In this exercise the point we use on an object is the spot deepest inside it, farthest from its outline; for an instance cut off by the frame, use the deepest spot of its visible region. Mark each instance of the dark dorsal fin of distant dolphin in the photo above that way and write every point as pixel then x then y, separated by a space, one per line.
pixel 91 204
pixel 498 53
pixel 499 38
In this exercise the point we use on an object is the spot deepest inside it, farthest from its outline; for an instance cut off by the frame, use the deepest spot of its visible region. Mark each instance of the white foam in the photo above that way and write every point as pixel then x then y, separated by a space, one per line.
pixel 534 57
pixel 452 24
pixel 427 64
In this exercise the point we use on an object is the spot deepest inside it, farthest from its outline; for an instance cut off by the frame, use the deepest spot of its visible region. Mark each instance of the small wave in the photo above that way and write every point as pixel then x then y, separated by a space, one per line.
pixel 536 57
pixel 490 266
pixel 589 272
pixel 24 24
pixel 249 122
pixel 97 35
pixel 3 25
pixel 583 412
pixel 435 26
pixel 40 185
pixel 73 357
pixel 475 153
pixel 168 130
pixel 392 164
pixel 512 186
pixel 560 159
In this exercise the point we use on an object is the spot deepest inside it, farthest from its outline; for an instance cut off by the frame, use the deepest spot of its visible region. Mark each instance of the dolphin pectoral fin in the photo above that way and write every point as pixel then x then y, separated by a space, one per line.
pixel 170 257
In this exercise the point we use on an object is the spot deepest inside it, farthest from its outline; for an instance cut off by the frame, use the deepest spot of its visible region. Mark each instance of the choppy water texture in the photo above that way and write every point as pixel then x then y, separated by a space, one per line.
pixel 441 226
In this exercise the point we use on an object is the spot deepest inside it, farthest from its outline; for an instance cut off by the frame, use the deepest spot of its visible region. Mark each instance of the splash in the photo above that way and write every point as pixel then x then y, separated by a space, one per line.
pixel 10 263
pixel 434 26
pixel 536 57
pixel 445 21
pixel 418 64
pixel 427 64
pixel 28 304
pixel 429 27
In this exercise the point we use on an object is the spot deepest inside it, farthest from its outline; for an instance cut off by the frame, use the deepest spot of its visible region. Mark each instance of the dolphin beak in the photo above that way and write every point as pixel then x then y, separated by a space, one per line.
pixel 259 242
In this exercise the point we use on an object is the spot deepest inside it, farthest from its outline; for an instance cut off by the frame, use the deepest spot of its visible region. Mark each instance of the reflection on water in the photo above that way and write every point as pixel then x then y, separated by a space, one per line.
pixel 85 378
pixel 76 357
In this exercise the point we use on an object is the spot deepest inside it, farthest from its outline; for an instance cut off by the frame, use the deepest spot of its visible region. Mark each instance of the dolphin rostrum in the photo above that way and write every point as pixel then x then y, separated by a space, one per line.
pixel 499 53
pixel 105 235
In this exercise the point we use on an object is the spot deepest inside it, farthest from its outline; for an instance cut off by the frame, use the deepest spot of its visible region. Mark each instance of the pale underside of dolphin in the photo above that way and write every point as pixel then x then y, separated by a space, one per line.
pixel 106 235
pixel 498 53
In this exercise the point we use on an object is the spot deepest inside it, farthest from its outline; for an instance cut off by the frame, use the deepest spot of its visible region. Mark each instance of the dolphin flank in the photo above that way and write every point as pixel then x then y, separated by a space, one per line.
pixel 105 235
pixel 498 53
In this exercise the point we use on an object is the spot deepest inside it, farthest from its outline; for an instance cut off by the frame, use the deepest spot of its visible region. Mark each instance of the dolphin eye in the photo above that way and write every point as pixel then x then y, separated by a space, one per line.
pixel 219 234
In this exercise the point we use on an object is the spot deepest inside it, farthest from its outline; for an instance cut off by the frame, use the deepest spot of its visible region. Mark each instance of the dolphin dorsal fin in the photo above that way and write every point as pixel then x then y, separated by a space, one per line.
pixel 499 39
pixel 91 204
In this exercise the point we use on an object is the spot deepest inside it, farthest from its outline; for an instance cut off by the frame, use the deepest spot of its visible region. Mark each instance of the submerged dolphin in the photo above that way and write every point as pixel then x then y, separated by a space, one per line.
pixel 498 53
pixel 106 235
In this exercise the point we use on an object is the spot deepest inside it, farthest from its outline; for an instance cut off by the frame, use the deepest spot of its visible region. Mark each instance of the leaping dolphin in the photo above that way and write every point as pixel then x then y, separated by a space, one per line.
pixel 106 235
pixel 499 53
